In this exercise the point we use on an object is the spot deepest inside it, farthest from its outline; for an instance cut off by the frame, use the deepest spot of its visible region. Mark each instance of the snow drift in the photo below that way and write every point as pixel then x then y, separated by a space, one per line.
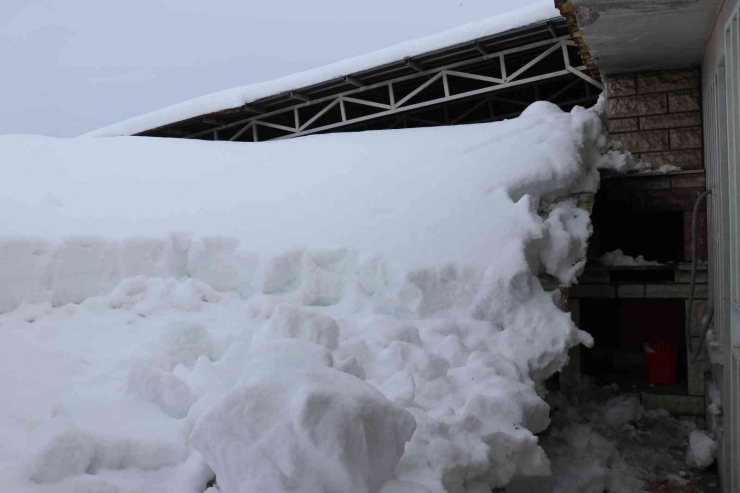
pixel 353 312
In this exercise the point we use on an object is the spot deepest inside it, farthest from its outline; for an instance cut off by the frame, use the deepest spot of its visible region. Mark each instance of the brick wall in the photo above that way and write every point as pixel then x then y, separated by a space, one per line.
pixel 657 116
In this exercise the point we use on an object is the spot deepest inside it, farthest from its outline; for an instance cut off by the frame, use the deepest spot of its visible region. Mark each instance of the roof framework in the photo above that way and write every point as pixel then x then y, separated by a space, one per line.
pixel 485 80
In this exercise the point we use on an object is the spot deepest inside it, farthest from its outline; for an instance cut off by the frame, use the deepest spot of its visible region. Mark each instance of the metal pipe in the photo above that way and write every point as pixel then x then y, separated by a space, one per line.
pixel 707 322
pixel 690 310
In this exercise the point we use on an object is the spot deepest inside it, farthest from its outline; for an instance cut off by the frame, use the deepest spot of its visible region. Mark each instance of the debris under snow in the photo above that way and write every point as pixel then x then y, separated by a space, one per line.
pixel 617 258
pixel 353 312
pixel 641 452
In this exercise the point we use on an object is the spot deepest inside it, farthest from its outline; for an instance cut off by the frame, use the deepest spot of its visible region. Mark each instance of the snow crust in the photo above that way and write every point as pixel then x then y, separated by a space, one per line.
pixel 355 312
pixel 238 96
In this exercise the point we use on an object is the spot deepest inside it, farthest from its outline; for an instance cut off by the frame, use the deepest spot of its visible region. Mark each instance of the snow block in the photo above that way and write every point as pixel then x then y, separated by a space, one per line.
pixel 182 342
pixel 701 451
pixel 295 322
pixel 302 427
pixel 58 449
pixel 165 390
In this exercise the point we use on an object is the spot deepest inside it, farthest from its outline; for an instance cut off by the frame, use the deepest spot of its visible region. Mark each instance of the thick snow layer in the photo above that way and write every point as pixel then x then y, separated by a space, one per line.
pixel 617 258
pixel 334 313
pixel 238 96
pixel 82 215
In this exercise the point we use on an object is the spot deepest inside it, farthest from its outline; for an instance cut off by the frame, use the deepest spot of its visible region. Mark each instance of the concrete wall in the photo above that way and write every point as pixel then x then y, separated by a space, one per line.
pixel 657 116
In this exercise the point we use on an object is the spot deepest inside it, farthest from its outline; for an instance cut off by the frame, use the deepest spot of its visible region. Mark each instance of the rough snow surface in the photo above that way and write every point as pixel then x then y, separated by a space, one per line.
pixel 341 313
pixel 238 96
pixel 617 258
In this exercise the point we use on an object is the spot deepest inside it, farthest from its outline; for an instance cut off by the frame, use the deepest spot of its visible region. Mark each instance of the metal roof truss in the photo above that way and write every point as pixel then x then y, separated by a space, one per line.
pixel 524 65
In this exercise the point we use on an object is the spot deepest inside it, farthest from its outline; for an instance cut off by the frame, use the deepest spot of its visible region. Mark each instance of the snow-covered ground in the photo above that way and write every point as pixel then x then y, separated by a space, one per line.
pixel 603 441
pixel 353 312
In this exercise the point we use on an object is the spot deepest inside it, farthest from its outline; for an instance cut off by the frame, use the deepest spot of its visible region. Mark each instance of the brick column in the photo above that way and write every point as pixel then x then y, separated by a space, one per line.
pixel 657 116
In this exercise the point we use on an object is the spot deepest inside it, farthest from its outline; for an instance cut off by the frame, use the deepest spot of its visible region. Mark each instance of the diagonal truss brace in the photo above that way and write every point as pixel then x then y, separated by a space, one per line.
pixel 426 79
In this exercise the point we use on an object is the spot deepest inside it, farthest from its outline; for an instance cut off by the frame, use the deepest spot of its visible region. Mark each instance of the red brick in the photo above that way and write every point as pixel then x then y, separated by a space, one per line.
pixel 667 81
pixel 649 104
pixel 687 160
pixel 686 138
pixel 649 140
pixel 675 199
pixel 680 101
pixel 621 85
pixel 688 180
pixel 622 124
pixel 671 120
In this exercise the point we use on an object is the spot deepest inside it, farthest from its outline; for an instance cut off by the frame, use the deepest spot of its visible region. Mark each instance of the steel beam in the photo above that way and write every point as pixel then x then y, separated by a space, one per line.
pixel 447 74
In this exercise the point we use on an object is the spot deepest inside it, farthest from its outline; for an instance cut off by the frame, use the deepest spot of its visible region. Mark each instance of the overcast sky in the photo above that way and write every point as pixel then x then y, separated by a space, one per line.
pixel 69 66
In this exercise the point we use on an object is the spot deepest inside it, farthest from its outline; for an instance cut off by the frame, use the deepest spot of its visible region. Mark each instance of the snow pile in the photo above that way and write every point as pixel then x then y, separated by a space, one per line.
pixel 701 451
pixel 617 258
pixel 233 98
pixel 301 425
pixel 357 312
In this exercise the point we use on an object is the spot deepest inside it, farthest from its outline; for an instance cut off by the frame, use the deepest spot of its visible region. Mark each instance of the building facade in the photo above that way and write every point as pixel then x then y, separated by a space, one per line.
pixel 672 73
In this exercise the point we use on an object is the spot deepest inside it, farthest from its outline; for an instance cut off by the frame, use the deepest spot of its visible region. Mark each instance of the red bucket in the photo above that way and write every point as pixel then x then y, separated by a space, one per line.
pixel 661 358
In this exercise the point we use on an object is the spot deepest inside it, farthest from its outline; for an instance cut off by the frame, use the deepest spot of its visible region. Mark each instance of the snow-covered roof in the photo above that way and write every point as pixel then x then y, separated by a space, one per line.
pixel 239 96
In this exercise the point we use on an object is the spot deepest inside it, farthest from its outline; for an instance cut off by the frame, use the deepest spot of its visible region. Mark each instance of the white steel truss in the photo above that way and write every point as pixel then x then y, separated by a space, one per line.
pixel 302 124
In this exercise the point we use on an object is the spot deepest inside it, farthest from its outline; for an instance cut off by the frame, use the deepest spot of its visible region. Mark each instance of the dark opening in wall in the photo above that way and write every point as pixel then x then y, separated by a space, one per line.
pixel 657 235
pixel 620 328
pixel 646 275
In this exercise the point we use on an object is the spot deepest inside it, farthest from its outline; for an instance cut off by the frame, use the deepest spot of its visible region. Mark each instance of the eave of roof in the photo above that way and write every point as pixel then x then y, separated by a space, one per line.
pixel 644 35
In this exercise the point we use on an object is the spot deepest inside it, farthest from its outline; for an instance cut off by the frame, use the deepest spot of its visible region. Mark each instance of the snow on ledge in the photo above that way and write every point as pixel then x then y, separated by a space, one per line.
pixel 238 96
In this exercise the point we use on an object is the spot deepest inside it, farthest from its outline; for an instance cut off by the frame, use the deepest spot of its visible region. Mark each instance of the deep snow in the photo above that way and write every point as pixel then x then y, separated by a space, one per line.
pixel 238 96
pixel 353 312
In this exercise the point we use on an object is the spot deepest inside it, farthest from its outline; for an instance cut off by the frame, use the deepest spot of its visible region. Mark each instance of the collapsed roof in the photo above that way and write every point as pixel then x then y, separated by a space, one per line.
pixel 491 61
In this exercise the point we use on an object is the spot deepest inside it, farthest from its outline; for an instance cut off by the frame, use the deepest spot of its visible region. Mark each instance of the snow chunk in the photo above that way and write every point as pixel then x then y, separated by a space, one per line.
pixel 621 410
pixel 701 451
pixel 568 231
pixel 295 322
pixel 58 449
pixel 182 342
pixel 163 389
pixel 302 426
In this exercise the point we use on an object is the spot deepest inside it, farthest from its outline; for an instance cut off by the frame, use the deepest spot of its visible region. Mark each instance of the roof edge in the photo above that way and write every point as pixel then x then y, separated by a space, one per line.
pixel 570 14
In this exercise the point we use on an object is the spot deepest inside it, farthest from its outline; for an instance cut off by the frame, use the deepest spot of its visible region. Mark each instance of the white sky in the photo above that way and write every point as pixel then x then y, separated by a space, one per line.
pixel 69 66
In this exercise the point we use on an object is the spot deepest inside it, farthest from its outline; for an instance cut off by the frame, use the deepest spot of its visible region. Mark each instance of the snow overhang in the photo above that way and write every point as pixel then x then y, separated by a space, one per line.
pixel 638 35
